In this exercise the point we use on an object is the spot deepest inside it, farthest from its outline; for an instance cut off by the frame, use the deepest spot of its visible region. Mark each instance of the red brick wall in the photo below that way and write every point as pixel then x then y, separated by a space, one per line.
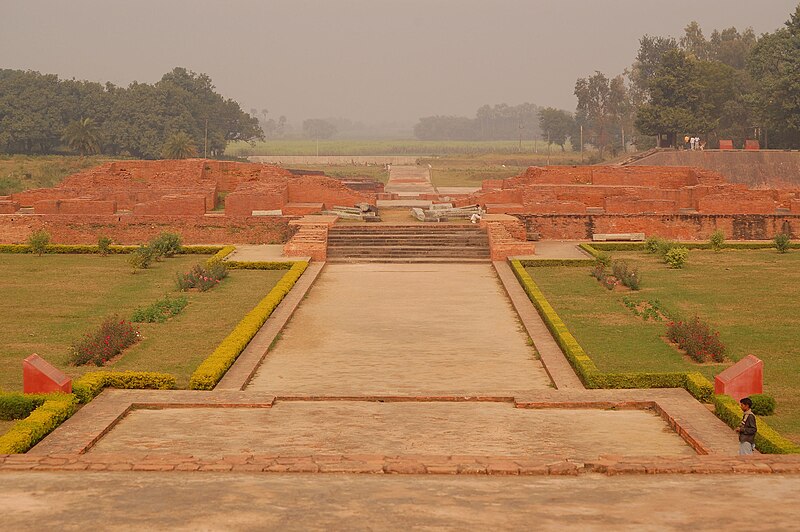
pixel 74 206
pixel 134 229
pixel 678 226
pixel 173 205
pixel 321 189
pixel 8 206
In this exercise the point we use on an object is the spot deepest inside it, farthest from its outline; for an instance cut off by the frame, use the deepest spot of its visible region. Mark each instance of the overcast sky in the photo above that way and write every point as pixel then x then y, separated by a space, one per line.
pixel 367 60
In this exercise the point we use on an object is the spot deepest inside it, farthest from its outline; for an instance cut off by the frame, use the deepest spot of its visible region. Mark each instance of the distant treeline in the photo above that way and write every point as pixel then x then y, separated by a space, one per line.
pixel 40 113
pixel 732 85
pixel 498 122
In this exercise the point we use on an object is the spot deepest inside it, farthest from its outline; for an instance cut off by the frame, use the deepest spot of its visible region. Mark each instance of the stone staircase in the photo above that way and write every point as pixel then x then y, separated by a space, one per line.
pixel 407 243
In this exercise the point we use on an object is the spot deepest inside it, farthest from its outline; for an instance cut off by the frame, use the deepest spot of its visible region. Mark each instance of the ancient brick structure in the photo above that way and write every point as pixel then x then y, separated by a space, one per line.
pixel 679 202
pixel 131 201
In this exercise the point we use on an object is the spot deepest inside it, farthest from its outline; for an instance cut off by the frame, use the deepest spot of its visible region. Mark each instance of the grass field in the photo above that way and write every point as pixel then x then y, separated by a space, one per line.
pixel 376 172
pixel 749 296
pixel 50 301
pixel 23 172
pixel 420 148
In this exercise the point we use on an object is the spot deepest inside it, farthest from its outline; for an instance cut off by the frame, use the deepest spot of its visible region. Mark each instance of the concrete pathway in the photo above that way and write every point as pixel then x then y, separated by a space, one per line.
pixel 245 501
pixel 409 329
pixel 410 181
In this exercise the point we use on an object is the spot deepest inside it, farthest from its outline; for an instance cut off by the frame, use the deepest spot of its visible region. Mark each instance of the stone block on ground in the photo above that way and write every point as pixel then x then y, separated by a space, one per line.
pixel 744 378
pixel 39 376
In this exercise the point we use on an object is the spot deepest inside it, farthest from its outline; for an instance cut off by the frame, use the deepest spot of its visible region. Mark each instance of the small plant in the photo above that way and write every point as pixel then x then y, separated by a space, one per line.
pixel 140 258
pixel 665 246
pixel 676 257
pixel 598 272
pixel 697 338
pixel 763 404
pixel 160 311
pixel 653 244
pixel 717 240
pixel 109 340
pixel 781 242
pixel 610 282
pixel 202 277
pixel 104 245
pixel 628 276
pixel 603 259
pixel 165 245
pixel 39 241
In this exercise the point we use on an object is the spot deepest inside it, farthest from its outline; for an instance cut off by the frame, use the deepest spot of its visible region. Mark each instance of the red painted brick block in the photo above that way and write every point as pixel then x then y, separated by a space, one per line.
pixel 39 376
pixel 744 378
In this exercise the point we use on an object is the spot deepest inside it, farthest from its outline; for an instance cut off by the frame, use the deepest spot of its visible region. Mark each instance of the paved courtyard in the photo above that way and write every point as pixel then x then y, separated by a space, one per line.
pixel 413 329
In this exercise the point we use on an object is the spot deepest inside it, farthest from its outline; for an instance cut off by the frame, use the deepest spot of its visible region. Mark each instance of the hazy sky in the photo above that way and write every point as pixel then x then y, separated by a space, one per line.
pixel 368 60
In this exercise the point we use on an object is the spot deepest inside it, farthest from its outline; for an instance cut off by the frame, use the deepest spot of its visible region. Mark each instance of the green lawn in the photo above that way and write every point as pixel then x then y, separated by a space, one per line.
pixel 50 301
pixel 376 172
pixel 751 297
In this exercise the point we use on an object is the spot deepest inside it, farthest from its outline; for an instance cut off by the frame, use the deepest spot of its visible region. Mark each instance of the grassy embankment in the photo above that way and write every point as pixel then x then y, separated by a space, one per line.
pixel 750 297
pixel 23 172
pixel 51 301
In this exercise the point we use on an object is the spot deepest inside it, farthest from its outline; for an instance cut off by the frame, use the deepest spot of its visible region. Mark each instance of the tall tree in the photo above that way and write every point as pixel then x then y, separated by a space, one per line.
pixel 600 106
pixel 179 146
pixel 775 66
pixel 556 126
pixel 82 136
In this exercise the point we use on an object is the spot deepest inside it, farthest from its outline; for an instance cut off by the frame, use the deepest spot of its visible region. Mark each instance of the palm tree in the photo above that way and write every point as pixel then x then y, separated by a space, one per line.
pixel 179 146
pixel 82 136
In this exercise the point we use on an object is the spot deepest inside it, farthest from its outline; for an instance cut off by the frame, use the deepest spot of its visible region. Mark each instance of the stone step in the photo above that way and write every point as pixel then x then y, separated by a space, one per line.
pixel 411 241
pixel 407 260
pixel 408 253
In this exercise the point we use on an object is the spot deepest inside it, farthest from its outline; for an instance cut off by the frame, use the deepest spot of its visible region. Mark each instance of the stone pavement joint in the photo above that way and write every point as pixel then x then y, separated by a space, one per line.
pixel 411 464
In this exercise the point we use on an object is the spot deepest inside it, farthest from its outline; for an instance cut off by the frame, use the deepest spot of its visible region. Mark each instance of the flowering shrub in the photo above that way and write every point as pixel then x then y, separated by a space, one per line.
pixel 202 277
pixel 696 338
pixel 109 340
pixel 165 245
pixel 141 257
pixel 629 276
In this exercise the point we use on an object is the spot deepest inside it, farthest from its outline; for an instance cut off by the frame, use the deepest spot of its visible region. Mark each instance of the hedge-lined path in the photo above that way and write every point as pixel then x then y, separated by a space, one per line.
pixel 247 501
pixel 414 329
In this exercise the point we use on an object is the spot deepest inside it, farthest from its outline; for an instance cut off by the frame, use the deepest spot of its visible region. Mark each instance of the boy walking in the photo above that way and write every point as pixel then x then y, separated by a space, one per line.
pixel 747 430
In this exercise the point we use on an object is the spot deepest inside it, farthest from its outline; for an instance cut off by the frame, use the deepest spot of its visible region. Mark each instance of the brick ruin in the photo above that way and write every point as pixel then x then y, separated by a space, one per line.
pixel 575 202
pixel 131 201
pixel 212 202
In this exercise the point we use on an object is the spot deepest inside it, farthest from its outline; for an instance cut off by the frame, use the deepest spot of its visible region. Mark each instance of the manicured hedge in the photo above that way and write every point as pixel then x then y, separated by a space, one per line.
pixel 211 370
pixel 91 384
pixel 17 405
pixel 245 265
pixel 556 262
pixel 595 247
pixel 87 249
pixel 586 369
pixel 220 254
pixel 767 439
pixel 29 431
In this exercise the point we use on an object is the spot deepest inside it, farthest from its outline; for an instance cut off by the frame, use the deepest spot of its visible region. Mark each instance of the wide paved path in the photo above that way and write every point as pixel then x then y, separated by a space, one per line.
pixel 241 501
pixel 412 329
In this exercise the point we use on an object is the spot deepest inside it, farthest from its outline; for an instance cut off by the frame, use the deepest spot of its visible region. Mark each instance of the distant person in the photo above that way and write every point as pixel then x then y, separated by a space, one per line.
pixel 702 145
pixel 747 429
pixel 686 142
pixel 476 217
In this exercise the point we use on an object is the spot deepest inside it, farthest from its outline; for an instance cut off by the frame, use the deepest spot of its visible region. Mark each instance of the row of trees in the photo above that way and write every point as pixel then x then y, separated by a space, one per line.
pixel 180 114
pixel 498 122
pixel 732 85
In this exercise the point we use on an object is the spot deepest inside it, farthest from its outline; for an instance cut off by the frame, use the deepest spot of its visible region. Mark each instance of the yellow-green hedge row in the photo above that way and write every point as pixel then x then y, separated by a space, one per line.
pixel 767 439
pixel 595 247
pixel 556 262
pixel 27 432
pixel 88 386
pixel 86 249
pixel 586 369
pixel 220 254
pixel 211 370
pixel 245 265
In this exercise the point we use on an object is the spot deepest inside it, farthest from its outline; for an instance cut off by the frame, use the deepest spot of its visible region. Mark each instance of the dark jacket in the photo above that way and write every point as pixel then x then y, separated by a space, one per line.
pixel 748 429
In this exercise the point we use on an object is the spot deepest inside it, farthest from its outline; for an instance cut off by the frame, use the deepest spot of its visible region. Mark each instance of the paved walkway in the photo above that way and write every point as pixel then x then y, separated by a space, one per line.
pixel 409 181
pixel 246 501
pixel 409 329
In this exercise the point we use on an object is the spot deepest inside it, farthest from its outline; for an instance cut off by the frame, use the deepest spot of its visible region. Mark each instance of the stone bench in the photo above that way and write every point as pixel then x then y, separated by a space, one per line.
pixel 625 237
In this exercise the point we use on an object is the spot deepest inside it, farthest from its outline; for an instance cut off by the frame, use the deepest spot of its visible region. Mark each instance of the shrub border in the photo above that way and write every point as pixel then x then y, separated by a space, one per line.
pixel 768 441
pixel 27 432
pixel 595 247
pixel 214 367
pixel 89 249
